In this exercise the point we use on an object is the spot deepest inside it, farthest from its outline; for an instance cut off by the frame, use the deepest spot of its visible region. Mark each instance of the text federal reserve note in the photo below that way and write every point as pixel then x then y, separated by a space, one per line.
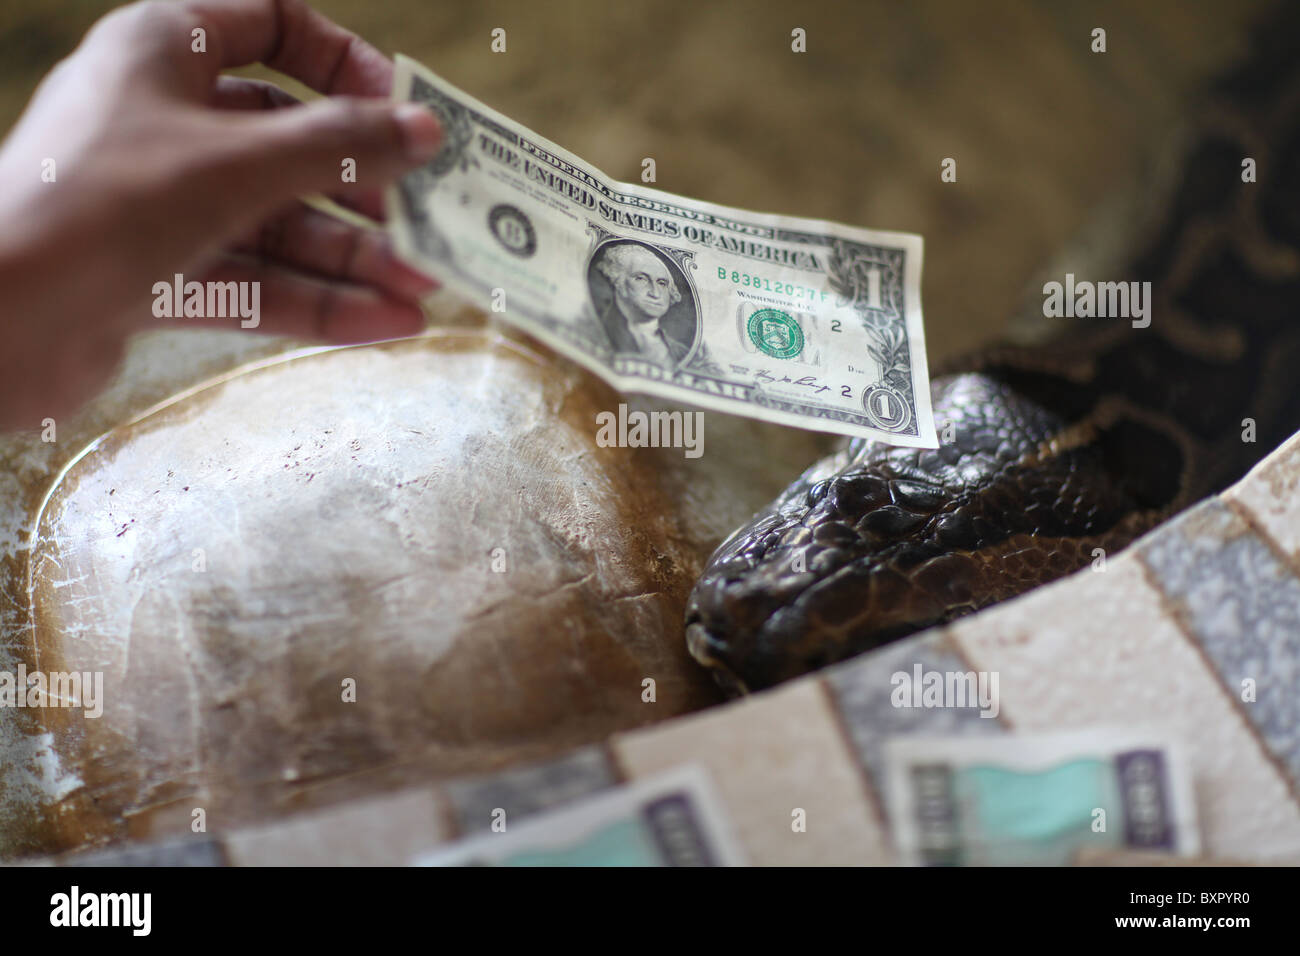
pixel 795 321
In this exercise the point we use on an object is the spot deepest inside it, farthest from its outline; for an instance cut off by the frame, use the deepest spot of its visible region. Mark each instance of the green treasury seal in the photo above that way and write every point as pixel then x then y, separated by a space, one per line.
pixel 776 333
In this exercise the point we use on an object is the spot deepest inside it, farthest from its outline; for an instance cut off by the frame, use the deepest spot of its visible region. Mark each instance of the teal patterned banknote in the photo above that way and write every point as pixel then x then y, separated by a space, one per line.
pixel 1037 800
pixel 671 820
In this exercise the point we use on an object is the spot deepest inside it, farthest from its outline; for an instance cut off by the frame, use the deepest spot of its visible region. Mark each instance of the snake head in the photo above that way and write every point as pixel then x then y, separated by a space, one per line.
pixel 878 542
pixel 833 567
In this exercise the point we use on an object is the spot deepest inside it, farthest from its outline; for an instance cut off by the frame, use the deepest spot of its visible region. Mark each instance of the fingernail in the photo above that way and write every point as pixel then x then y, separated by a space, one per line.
pixel 421 134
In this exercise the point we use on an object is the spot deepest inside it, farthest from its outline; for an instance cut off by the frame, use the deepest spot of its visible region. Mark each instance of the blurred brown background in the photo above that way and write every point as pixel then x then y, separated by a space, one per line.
pixel 1045 132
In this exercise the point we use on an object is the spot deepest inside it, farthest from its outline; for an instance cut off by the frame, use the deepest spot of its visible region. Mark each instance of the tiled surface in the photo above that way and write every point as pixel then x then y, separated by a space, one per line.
pixel 384 831
pixel 198 852
pixel 1101 649
pixel 1163 638
pixel 768 756
pixel 528 790
pixel 1270 494
pixel 863 691
pixel 1241 604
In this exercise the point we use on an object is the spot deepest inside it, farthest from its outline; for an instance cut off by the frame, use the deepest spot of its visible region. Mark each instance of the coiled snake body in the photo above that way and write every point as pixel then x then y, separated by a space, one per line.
pixel 1054 451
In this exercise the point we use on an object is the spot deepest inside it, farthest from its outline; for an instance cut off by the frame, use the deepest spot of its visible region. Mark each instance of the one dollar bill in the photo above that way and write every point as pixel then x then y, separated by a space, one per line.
pixel 674 819
pixel 1037 800
pixel 795 321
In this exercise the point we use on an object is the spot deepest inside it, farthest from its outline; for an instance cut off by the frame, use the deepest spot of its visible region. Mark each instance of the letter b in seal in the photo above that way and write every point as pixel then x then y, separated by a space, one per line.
pixel 513 229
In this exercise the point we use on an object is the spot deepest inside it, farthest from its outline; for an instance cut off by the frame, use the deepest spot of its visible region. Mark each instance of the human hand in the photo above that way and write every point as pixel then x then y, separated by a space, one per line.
pixel 163 166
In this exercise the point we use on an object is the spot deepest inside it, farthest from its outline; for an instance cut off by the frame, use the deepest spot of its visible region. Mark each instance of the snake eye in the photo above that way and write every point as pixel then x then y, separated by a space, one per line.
pixel 817 492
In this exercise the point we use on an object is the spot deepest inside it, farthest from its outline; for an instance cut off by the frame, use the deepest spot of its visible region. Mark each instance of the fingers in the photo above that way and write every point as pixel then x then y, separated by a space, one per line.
pixel 279 302
pixel 183 46
pixel 290 153
pixel 347 146
pixel 367 202
pixel 310 240
pixel 289 36
pixel 238 93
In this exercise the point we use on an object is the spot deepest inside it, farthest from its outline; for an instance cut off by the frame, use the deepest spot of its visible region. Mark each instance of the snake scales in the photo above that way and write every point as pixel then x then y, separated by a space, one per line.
pixel 1052 451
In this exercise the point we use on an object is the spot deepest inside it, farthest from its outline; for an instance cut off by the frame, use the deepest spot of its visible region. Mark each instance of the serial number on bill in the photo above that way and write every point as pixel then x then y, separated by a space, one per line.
pixel 767 285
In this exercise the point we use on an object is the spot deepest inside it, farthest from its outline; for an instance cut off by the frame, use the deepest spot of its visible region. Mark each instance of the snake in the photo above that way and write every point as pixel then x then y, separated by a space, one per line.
pixel 1055 454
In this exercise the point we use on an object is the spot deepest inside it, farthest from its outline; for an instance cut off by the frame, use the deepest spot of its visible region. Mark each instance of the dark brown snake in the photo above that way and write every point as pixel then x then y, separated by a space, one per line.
pixel 1085 442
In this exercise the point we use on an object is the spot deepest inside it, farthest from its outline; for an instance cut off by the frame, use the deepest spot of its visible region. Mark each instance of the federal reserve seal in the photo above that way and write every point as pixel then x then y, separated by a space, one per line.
pixel 513 229
pixel 775 333
pixel 886 408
